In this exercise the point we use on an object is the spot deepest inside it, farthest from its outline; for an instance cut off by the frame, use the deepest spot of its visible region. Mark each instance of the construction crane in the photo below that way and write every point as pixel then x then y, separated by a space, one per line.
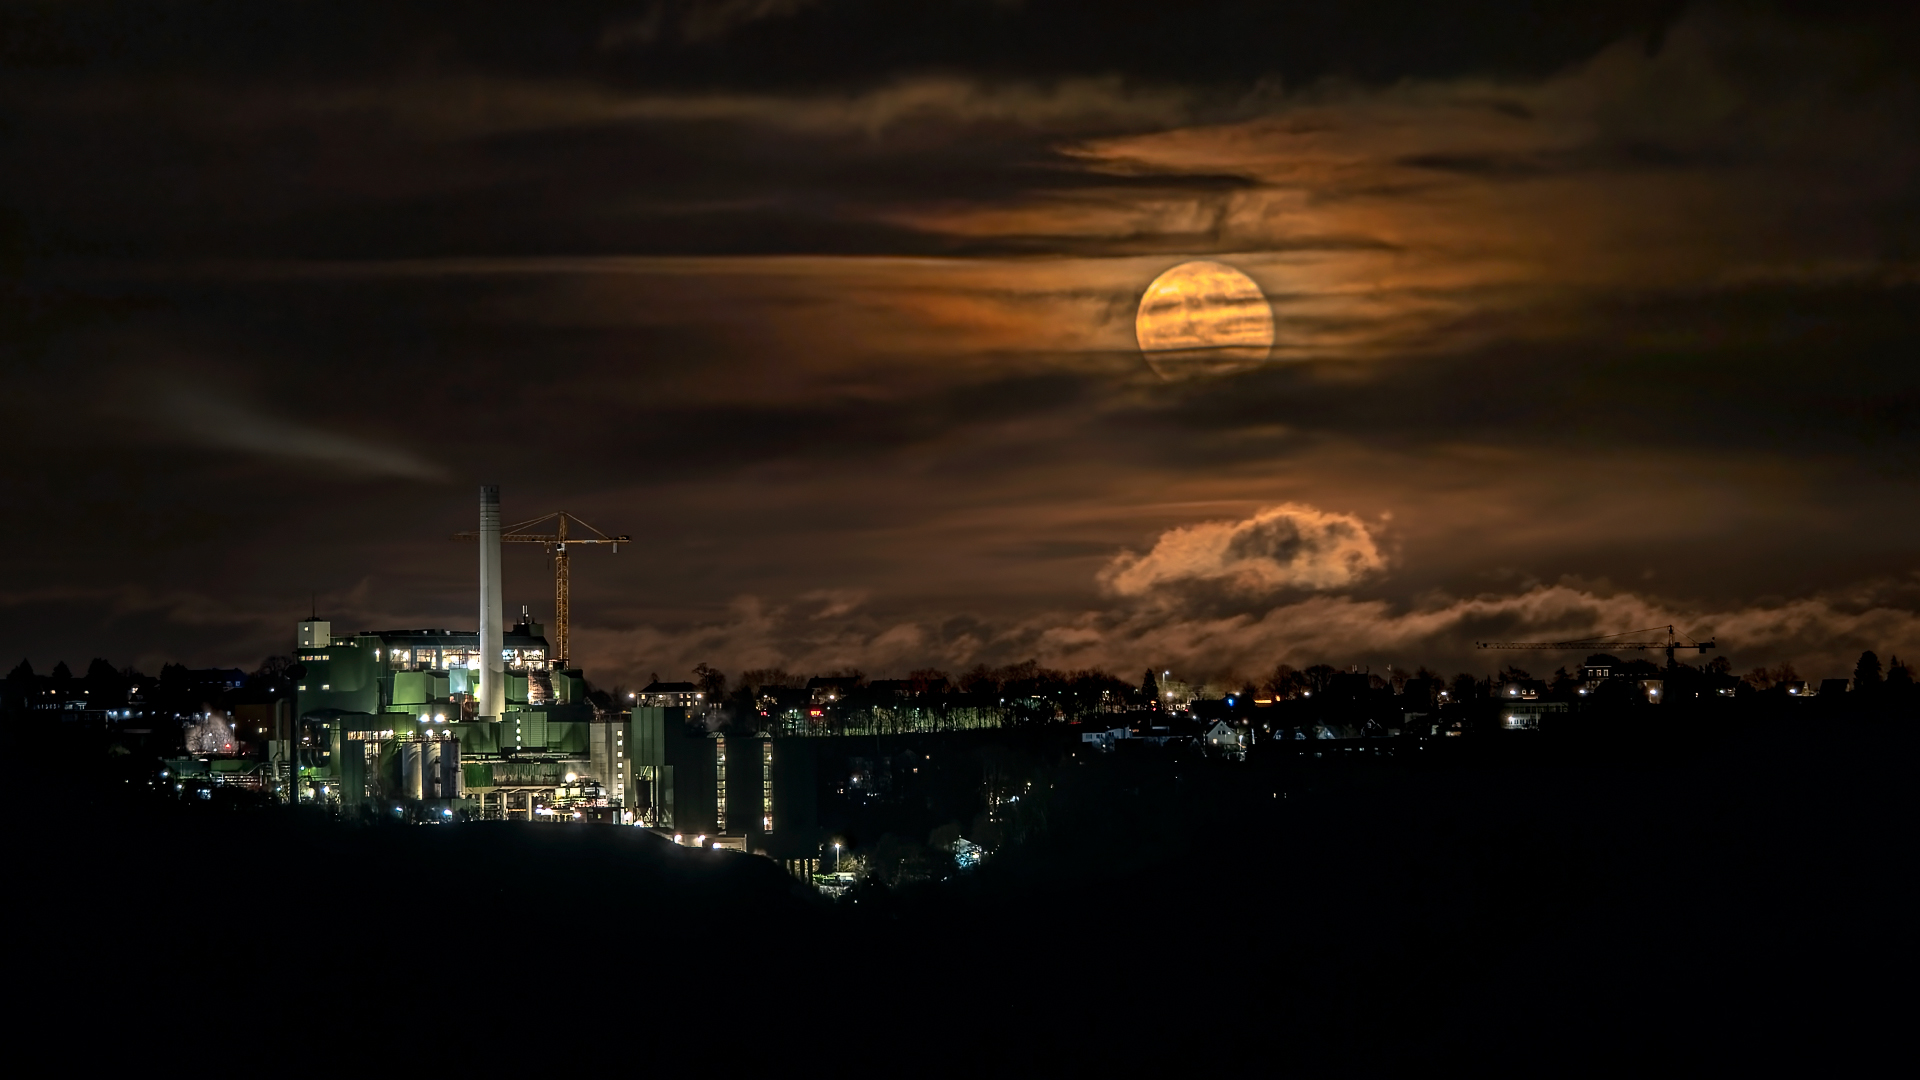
pixel 557 542
pixel 1671 643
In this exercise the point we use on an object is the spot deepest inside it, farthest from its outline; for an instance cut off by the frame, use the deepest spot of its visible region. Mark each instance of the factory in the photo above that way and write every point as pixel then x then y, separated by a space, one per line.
pixel 489 724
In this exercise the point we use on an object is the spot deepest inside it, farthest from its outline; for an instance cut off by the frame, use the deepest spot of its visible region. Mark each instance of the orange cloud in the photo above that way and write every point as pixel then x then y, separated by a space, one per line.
pixel 1286 547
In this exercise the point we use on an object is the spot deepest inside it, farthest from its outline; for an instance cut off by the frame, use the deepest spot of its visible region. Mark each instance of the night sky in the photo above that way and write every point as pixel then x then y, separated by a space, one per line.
pixel 1588 317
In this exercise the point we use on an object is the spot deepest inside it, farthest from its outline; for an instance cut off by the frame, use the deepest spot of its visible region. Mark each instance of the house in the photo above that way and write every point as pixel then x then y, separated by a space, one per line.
pixel 669 695
pixel 1227 739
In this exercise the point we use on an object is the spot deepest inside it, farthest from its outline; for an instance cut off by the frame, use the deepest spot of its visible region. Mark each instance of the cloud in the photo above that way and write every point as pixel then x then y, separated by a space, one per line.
pixel 1821 634
pixel 215 420
pixel 1291 546
pixel 836 602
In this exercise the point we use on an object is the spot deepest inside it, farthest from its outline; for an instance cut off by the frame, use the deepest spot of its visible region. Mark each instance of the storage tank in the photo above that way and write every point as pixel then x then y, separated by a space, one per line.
pixel 412 770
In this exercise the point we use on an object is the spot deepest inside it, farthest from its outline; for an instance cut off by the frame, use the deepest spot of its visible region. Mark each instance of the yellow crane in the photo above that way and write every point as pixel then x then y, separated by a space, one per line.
pixel 1609 643
pixel 557 543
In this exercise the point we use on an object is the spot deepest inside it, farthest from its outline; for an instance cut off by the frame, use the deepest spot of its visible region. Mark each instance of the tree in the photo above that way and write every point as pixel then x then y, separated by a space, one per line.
pixel 1465 688
pixel 1866 673
pixel 1285 683
pixel 758 679
pixel 1762 678
pixel 1719 665
pixel 22 672
pixel 602 702
pixel 61 672
pixel 712 682
pixel 928 680
pixel 1899 675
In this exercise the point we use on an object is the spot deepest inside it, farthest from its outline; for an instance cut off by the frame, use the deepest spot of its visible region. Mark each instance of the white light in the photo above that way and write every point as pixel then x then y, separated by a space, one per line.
pixel 571 778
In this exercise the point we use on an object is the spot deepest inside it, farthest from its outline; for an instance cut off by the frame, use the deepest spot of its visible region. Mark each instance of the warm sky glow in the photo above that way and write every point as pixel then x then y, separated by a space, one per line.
pixel 1581 320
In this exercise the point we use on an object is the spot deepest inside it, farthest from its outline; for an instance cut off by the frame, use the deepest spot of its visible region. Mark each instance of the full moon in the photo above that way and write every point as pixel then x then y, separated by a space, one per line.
pixel 1203 318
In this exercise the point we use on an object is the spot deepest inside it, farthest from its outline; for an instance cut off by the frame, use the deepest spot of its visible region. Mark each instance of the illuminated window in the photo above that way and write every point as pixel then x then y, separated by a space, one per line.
pixel 720 787
pixel 766 785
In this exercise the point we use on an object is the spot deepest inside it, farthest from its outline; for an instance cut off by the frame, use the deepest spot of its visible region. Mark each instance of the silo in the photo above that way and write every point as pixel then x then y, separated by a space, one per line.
pixel 430 770
pixel 412 770
pixel 452 779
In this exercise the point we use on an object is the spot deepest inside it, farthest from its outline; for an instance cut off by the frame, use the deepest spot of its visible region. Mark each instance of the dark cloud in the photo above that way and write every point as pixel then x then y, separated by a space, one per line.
pixel 1589 316
pixel 772 43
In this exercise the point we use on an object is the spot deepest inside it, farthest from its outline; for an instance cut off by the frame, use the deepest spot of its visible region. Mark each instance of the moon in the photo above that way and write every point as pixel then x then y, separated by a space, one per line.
pixel 1203 318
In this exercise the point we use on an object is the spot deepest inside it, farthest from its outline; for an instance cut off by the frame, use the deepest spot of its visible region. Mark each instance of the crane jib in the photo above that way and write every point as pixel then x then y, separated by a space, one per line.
pixel 556 542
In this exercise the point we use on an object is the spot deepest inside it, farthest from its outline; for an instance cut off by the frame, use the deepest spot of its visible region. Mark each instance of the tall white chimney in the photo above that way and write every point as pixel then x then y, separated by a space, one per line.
pixel 493 667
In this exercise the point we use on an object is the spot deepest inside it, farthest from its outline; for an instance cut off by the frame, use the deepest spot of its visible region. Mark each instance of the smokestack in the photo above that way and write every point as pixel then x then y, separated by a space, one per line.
pixel 493 668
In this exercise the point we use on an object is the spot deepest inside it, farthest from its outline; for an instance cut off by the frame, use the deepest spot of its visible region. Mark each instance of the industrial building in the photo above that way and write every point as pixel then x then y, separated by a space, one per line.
pixel 490 724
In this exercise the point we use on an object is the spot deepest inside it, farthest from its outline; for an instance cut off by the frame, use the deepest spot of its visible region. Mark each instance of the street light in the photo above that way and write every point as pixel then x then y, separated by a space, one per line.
pixel 836 857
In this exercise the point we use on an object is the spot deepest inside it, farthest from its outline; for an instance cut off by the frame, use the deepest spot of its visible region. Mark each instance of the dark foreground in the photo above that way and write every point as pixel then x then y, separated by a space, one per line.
pixel 1537 905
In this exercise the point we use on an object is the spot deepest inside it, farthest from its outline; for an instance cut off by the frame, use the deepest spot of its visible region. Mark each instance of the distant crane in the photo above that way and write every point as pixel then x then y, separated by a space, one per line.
pixel 1671 643
pixel 556 542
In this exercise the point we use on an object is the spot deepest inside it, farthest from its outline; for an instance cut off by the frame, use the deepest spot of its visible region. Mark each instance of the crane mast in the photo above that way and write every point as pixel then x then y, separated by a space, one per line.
pixel 557 543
